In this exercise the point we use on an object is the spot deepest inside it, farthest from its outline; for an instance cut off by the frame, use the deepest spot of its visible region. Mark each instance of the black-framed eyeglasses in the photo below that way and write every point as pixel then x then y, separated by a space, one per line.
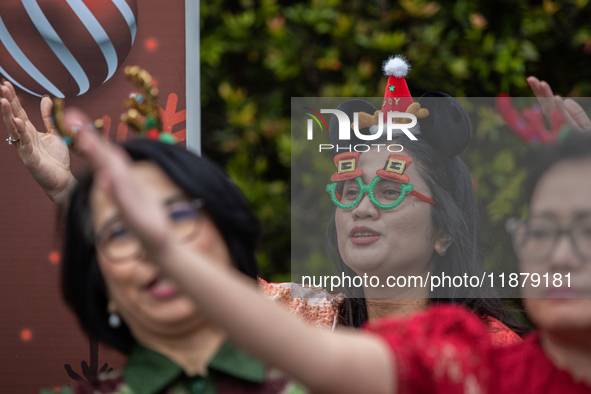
pixel 118 243
pixel 534 239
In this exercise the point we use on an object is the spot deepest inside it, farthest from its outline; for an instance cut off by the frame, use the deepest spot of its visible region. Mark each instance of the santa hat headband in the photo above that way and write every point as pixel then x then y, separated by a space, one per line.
pixel 397 97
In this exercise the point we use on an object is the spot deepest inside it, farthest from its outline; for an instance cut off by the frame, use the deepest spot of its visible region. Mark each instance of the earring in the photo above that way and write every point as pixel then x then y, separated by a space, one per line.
pixel 443 249
pixel 114 320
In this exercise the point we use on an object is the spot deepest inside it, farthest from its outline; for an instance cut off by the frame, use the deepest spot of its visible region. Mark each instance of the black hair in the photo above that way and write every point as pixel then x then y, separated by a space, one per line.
pixel 456 214
pixel 83 286
pixel 577 145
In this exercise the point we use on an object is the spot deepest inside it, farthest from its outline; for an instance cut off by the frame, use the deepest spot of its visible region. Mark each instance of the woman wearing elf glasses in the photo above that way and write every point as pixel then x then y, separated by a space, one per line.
pixel 409 214
pixel 444 350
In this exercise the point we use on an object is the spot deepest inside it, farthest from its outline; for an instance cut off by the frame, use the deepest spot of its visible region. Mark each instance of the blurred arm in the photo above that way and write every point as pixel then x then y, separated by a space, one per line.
pixel 325 362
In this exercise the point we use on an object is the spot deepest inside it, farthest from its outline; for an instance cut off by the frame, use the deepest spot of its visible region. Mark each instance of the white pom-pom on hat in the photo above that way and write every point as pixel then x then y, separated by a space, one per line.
pixel 396 66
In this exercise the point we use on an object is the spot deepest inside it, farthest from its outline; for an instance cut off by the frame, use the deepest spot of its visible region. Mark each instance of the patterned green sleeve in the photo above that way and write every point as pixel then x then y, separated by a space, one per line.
pixel 61 390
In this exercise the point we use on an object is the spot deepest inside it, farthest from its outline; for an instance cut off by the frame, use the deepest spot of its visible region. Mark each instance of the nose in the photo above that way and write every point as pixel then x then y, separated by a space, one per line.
pixel 564 257
pixel 365 209
pixel 143 257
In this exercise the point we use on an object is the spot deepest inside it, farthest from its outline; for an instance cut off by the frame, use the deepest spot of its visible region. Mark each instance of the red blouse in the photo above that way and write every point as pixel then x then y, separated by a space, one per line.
pixel 448 350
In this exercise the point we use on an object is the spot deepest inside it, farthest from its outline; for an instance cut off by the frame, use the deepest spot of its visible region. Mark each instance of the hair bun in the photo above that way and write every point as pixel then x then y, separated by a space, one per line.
pixel 448 126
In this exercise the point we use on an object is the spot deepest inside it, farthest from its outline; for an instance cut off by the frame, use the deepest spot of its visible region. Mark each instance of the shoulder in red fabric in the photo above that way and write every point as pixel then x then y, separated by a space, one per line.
pixel 501 335
pixel 438 351
pixel 526 369
pixel 448 349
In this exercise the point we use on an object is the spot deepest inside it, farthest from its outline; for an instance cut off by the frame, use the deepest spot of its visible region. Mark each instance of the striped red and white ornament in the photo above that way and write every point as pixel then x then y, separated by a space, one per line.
pixel 64 48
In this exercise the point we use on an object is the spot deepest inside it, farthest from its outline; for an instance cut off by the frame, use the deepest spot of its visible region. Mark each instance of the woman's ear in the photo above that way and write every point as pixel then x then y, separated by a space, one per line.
pixel 442 243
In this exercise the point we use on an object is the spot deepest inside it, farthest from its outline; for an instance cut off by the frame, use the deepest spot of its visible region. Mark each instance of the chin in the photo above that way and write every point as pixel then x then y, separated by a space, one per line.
pixel 364 263
pixel 175 312
pixel 560 314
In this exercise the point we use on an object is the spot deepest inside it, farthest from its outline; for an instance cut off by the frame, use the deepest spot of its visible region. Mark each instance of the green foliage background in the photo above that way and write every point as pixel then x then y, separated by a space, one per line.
pixel 256 55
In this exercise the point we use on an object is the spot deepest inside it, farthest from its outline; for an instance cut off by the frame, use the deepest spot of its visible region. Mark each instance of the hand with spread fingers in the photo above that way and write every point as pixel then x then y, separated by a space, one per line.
pixel 45 155
pixel 570 109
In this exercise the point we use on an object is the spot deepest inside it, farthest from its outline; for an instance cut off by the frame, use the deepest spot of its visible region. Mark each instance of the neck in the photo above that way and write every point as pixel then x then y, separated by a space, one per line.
pixel 381 307
pixel 192 351
pixel 570 351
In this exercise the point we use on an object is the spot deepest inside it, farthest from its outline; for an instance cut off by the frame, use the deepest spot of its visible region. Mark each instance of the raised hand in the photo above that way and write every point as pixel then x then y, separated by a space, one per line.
pixel 137 204
pixel 45 155
pixel 570 109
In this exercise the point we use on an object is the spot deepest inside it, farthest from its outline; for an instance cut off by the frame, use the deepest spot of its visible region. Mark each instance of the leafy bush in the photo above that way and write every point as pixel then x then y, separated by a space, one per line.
pixel 256 55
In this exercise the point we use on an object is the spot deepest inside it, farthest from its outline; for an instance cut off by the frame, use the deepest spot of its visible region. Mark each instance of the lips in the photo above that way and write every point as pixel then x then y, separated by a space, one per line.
pixel 362 235
pixel 564 292
pixel 162 287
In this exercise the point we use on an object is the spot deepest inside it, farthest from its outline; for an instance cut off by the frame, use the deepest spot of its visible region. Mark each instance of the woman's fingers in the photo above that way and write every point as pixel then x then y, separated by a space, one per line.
pixel 13 110
pixel 540 88
pixel 17 109
pixel 24 145
pixel 533 83
pixel 108 161
pixel 578 114
pixel 559 106
pixel 97 151
pixel 543 92
pixel 46 107
pixel 88 141
pixel 571 110
pixel 8 119
pixel 545 89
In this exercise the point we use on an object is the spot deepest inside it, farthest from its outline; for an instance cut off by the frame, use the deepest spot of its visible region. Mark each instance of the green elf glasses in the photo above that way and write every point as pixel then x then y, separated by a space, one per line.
pixel 387 190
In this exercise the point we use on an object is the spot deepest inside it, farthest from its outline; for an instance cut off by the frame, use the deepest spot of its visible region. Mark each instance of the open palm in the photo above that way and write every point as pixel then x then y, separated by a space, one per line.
pixel 45 155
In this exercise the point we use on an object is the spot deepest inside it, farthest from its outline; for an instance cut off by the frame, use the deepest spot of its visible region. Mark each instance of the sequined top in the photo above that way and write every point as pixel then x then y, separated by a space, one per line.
pixel 321 309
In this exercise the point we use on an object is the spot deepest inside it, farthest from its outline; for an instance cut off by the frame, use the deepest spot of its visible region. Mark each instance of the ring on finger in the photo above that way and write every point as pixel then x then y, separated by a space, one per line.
pixel 11 140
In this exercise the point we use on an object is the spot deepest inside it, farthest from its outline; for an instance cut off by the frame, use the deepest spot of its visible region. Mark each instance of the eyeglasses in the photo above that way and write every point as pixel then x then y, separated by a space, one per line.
pixel 383 193
pixel 535 238
pixel 118 243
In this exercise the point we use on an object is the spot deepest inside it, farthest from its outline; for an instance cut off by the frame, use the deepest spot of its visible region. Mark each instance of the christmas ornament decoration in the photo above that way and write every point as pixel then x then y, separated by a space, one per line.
pixel 64 48
pixel 143 114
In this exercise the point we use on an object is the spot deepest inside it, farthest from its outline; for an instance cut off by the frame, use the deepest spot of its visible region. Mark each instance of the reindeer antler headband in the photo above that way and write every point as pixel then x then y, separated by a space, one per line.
pixel 143 114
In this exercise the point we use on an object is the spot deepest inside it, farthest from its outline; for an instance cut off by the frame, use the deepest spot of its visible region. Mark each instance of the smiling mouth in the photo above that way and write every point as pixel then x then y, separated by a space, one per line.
pixel 363 235
pixel 363 232
pixel 564 292
pixel 162 287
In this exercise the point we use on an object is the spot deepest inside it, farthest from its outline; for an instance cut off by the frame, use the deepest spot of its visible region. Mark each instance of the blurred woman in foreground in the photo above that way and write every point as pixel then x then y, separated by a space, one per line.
pixel 117 293
pixel 444 350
